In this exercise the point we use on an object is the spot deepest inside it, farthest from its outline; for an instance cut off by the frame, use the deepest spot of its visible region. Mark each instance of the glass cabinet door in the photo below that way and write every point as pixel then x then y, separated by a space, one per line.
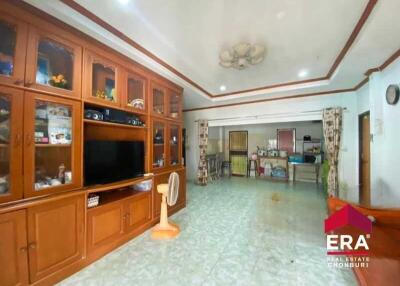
pixel 158 145
pixel 101 80
pixel 12 50
pixel 54 141
pixel 158 100
pixel 174 105
pixel 135 92
pixel 174 145
pixel 53 64
pixel 11 108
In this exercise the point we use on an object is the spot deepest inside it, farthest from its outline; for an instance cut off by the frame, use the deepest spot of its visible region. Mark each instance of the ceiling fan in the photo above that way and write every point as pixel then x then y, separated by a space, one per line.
pixel 242 56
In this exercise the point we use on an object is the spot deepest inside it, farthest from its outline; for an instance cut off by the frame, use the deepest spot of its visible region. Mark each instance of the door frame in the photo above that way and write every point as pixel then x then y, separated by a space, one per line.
pixel 360 149
pixel 238 152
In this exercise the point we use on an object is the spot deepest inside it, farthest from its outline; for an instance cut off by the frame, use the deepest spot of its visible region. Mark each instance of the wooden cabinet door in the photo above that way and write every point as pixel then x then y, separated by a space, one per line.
pixel 174 105
pixel 52 144
pixel 13 49
pixel 53 63
pixel 182 187
pixel 158 100
pixel 55 235
pixel 105 225
pixel 137 211
pixel 102 80
pixel 11 103
pixel 134 92
pixel 174 143
pixel 159 143
pixel 13 249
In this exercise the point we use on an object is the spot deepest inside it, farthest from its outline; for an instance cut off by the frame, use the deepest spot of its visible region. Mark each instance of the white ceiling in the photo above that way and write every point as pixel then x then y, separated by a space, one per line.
pixel 298 34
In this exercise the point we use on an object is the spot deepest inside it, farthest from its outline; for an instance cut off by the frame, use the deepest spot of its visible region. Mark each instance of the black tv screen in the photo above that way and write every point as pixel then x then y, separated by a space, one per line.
pixel 112 161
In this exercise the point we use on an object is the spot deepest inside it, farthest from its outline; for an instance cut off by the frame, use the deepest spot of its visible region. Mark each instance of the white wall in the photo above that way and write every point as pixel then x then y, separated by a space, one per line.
pixel 385 127
pixel 286 111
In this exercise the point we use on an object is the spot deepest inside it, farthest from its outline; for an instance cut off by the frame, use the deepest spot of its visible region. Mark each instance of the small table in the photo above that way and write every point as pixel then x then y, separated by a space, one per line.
pixel 316 165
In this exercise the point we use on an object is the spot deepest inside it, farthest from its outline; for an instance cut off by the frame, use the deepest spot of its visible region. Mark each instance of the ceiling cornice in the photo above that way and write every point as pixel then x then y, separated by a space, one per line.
pixel 366 13
pixel 390 60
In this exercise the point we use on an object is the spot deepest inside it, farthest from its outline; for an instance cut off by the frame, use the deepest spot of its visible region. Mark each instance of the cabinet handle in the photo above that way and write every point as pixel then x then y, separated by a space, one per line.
pixel 18 140
pixel 32 245
pixel 28 83
pixel 18 82
pixel 23 249
pixel 28 140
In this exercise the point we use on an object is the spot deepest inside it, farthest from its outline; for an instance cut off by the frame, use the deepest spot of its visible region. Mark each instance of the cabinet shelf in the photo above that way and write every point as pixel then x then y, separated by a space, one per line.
pixel 111 124
pixel 111 196
pixel 52 145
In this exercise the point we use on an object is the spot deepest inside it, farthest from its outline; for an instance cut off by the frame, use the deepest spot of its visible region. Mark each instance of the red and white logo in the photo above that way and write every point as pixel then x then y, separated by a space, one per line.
pixel 354 243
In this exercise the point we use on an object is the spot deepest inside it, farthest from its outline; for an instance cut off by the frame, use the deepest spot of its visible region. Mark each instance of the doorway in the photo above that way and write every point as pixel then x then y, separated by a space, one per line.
pixel 364 159
pixel 238 152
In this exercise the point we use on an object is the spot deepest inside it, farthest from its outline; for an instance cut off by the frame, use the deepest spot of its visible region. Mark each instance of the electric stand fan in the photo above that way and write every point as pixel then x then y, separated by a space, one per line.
pixel 169 192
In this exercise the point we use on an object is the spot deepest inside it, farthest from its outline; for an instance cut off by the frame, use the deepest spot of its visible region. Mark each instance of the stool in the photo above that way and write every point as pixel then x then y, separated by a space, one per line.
pixel 252 166
pixel 226 165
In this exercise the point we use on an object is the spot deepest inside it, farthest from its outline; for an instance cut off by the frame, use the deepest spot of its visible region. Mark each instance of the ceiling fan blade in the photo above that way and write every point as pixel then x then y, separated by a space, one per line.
pixel 225 64
pixel 241 49
pixel 226 56
pixel 257 60
pixel 257 51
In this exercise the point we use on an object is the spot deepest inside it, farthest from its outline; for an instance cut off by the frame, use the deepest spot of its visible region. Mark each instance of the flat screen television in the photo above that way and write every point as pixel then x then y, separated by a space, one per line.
pixel 112 161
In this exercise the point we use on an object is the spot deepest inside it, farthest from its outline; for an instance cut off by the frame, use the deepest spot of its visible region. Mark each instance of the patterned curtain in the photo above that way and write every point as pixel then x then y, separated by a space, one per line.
pixel 202 175
pixel 332 124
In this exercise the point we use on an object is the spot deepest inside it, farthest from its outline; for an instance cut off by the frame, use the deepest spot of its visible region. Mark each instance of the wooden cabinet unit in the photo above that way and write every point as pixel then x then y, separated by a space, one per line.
pixel 12 49
pixel 52 144
pixel 109 223
pixel 13 249
pixel 49 74
pixel 53 63
pixel 55 235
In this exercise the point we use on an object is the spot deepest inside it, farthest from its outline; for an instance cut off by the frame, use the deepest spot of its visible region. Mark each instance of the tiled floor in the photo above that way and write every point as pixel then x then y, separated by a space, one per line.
pixel 234 232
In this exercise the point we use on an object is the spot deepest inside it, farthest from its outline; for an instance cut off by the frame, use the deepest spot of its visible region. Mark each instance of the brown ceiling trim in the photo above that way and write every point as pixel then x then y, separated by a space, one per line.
pixel 271 86
pixel 361 84
pixel 367 11
pixel 273 99
pixel 80 9
pixel 390 60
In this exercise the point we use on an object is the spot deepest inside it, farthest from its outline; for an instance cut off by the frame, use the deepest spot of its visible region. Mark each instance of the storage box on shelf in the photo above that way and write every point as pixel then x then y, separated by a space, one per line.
pixel 43 65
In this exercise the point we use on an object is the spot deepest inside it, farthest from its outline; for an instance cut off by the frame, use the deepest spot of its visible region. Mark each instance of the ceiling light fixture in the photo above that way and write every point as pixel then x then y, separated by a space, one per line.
pixel 123 1
pixel 303 73
pixel 222 88
pixel 242 56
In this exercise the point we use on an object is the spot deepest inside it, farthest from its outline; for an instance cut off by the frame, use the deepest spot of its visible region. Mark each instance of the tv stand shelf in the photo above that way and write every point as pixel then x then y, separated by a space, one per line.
pixel 118 185
pixel 117 195
pixel 111 124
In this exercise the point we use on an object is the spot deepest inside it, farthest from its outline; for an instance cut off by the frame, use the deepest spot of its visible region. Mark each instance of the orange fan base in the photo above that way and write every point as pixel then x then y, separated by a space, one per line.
pixel 166 232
